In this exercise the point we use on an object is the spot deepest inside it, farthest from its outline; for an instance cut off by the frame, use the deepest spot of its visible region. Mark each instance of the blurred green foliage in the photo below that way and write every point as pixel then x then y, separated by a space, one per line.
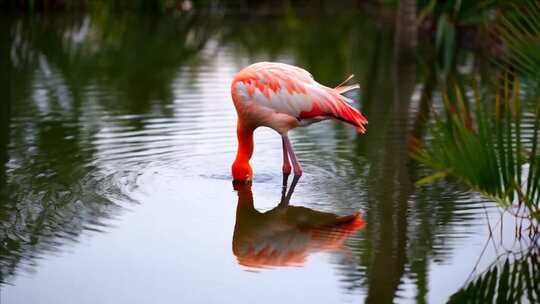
pixel 34 6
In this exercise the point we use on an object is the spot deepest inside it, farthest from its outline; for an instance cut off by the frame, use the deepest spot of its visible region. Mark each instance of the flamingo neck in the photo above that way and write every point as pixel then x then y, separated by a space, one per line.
pixel 241 169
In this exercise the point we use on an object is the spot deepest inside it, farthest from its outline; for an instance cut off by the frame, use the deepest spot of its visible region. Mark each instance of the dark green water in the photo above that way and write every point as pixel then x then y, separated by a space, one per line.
pixel 116 139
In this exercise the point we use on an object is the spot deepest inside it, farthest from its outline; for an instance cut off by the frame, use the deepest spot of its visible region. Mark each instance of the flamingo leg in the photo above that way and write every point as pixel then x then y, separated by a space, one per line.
pixel 284 189
pixel 296 165
pixel 286 163
pixel 291 190
pixel 286 195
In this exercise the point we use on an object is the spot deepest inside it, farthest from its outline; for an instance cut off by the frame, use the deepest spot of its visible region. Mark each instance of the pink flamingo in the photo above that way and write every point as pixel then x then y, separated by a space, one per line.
pixel 284 97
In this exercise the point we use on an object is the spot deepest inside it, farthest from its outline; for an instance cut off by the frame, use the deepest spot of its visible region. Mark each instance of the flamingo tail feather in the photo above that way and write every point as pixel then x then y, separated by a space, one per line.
pixel 346 112
pixel 344 89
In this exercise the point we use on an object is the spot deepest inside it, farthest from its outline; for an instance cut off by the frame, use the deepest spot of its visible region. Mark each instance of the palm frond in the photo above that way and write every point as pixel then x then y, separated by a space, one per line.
pixel 490 155
pixel 519 30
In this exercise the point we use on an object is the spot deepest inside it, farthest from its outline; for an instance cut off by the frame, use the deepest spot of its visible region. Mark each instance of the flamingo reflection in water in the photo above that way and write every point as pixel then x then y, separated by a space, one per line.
pixel 286 235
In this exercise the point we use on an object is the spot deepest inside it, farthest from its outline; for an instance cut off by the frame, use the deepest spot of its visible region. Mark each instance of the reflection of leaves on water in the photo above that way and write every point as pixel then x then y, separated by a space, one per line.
pixel 515 280
pixel 38 219
pixel 52 185
pixel 111 55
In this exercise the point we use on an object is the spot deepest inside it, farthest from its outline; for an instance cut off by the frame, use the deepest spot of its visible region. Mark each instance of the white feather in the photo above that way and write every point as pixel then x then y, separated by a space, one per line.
pixel 242 91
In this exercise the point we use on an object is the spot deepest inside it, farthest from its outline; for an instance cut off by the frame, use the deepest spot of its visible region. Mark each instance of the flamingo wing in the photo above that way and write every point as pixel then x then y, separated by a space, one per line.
pixel 291 90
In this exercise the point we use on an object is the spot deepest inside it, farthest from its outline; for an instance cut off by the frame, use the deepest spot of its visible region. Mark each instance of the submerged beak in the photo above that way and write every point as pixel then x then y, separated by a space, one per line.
pixel 239 183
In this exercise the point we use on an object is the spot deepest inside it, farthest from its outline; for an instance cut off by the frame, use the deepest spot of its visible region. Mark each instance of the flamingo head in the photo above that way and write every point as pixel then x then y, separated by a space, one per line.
pixel 242 172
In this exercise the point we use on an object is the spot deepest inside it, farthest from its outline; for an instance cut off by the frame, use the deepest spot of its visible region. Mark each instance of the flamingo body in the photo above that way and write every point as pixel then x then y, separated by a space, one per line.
pixel 283 97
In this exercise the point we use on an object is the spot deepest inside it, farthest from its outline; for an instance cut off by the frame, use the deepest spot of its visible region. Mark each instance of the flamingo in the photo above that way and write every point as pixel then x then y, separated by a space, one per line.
pixel 284 97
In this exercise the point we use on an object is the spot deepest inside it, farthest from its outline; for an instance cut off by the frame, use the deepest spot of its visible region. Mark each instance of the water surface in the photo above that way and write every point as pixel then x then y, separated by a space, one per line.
pixel 116 146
